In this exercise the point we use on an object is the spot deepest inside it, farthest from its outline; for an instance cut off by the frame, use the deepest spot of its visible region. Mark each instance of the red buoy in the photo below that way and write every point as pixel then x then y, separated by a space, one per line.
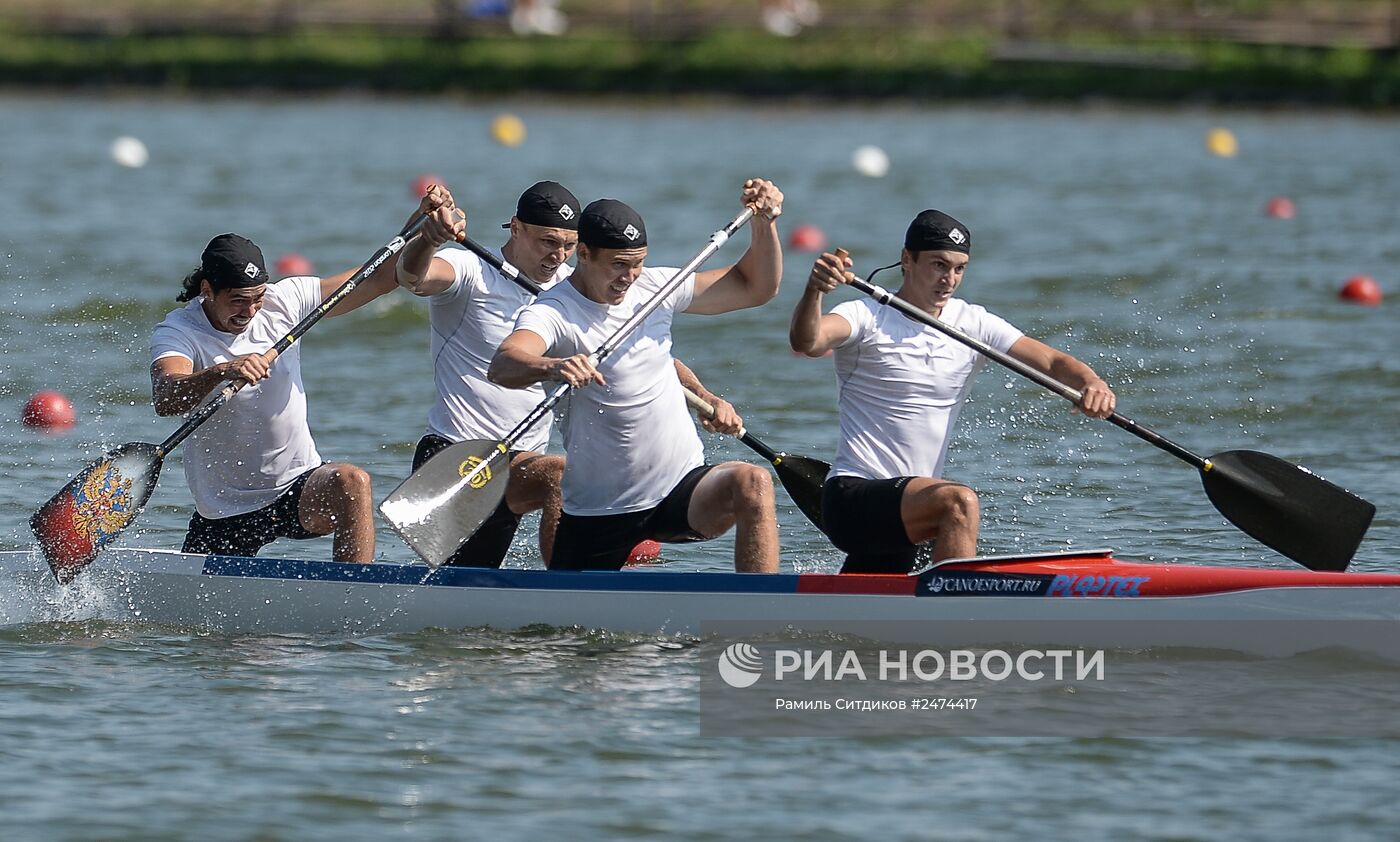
pixel 644 553
pixel 292 264
pixel 1361 289
pixel 422 183
pixel 807 238
pixel 49 411
pixel 1280 207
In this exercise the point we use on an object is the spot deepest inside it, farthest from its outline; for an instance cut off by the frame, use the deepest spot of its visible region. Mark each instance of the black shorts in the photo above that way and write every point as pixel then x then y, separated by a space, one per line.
pixel 603 542
pixel 245 534
pixel 861 516
pixel 489 544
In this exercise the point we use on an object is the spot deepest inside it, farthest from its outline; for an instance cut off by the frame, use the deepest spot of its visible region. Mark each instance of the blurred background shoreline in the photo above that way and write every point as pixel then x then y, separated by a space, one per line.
pixel 1340 53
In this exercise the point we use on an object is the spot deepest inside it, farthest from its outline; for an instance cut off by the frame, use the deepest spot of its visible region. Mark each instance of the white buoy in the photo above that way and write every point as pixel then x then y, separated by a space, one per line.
pixel 130 152
pixel 871 161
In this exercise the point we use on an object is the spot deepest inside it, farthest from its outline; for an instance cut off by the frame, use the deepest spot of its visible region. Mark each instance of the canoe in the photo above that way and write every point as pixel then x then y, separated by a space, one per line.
pixel 293 596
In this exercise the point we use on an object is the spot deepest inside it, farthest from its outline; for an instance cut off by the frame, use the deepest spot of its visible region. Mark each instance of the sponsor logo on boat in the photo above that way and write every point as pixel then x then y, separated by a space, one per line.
pixel 1065 585
pixel 982 584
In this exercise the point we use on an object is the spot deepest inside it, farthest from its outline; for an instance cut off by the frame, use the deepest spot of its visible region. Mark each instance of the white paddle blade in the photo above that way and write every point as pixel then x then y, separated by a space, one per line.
pixel 443 503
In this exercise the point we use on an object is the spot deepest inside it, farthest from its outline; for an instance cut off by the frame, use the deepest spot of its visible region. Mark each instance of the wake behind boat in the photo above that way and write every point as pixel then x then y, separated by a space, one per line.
pixel 298 596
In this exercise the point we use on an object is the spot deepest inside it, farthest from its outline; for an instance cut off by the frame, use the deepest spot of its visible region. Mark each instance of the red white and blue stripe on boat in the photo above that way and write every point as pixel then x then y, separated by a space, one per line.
pixel 1073 575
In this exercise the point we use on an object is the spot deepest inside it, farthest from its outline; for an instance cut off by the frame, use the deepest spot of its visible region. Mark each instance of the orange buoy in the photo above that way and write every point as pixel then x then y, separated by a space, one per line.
pixel 644 553
pixel 807 238
pixel 1280 207
pixel 293 264
pixel 1361 289
pixel 49 411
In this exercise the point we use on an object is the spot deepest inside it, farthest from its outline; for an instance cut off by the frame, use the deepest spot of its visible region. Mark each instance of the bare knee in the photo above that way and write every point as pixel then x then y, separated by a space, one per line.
pixel 958 503
pixel 350 483
pixel 534 482
pixel 753 487
pixel 550 471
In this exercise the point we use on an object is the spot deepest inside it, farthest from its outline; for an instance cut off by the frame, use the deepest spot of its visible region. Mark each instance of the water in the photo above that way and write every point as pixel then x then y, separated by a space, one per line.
pixel 1110 233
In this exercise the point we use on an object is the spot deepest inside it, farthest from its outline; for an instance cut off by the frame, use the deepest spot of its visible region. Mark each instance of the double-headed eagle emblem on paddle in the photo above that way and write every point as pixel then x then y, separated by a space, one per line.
pixel 102 505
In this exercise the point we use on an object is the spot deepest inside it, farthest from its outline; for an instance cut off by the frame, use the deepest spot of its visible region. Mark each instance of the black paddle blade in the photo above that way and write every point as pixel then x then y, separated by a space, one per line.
pixel 803 477
pixel 1288 508
pixel 91 510
pixel 437 509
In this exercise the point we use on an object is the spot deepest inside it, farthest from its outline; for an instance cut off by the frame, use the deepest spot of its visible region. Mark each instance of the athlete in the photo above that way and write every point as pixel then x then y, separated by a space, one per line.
pixel 902 384
pixel 472 308
pixel 636 468
pixel 253 468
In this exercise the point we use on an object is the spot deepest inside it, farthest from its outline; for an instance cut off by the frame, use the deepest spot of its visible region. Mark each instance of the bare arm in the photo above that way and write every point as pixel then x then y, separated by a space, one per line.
pixel 176 387
pixel 443 222
pixel 1097 399
pixel 521 362
pixel 725 419
pixel 810 332
pixel 754 280
pixel 691 382
pixel 417 270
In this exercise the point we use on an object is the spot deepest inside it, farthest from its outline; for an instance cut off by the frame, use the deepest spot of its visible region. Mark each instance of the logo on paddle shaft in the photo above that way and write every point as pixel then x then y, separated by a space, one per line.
pixel 479 481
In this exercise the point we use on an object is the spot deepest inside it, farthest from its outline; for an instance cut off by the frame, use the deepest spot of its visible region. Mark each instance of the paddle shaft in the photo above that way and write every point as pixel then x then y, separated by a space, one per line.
pixel 703 407
pixel 1069 393
pixel 717 240
pixel 203 413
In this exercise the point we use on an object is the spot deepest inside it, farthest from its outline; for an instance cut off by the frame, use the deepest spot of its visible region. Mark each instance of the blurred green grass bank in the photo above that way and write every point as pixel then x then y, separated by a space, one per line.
pixel 1341 53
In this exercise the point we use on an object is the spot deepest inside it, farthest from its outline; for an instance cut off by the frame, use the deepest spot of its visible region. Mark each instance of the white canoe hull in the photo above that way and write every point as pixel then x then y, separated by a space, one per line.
pixel 287 596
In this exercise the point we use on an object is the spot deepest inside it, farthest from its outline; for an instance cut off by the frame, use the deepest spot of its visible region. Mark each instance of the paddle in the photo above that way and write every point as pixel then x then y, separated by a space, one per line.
pixel 801 476
pixel 106 496
pixel 443 503
pixel 1281 505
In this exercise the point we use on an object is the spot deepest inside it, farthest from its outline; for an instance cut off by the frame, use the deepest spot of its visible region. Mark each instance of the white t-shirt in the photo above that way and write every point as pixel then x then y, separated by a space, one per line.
pixel 630 442
pixel 470 319
pixel 252 449
pixel 902 384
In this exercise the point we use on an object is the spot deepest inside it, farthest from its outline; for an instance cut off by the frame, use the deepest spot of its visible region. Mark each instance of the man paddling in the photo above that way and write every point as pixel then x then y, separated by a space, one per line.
pixel 472 308
pixel 253 469
pixel 636 468
pixel 902 384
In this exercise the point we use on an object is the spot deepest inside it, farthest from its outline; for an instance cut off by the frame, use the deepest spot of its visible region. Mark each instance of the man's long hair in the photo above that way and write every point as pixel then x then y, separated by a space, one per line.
pixel 191 285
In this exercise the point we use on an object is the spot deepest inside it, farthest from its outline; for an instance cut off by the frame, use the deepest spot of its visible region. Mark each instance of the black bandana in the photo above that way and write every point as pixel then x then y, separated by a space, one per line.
pixel 937 231
pixel 233 262
pixel 609 224
pixel 548 204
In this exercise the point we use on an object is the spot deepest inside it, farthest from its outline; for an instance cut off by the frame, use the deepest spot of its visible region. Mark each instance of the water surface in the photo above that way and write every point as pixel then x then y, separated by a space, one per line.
pixel 1110 233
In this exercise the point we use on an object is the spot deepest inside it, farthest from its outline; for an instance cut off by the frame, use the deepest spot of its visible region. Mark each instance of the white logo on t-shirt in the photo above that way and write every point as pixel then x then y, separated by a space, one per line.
pixel 566 212
pixel 957 236
pixel 631 232
pixel 251 270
